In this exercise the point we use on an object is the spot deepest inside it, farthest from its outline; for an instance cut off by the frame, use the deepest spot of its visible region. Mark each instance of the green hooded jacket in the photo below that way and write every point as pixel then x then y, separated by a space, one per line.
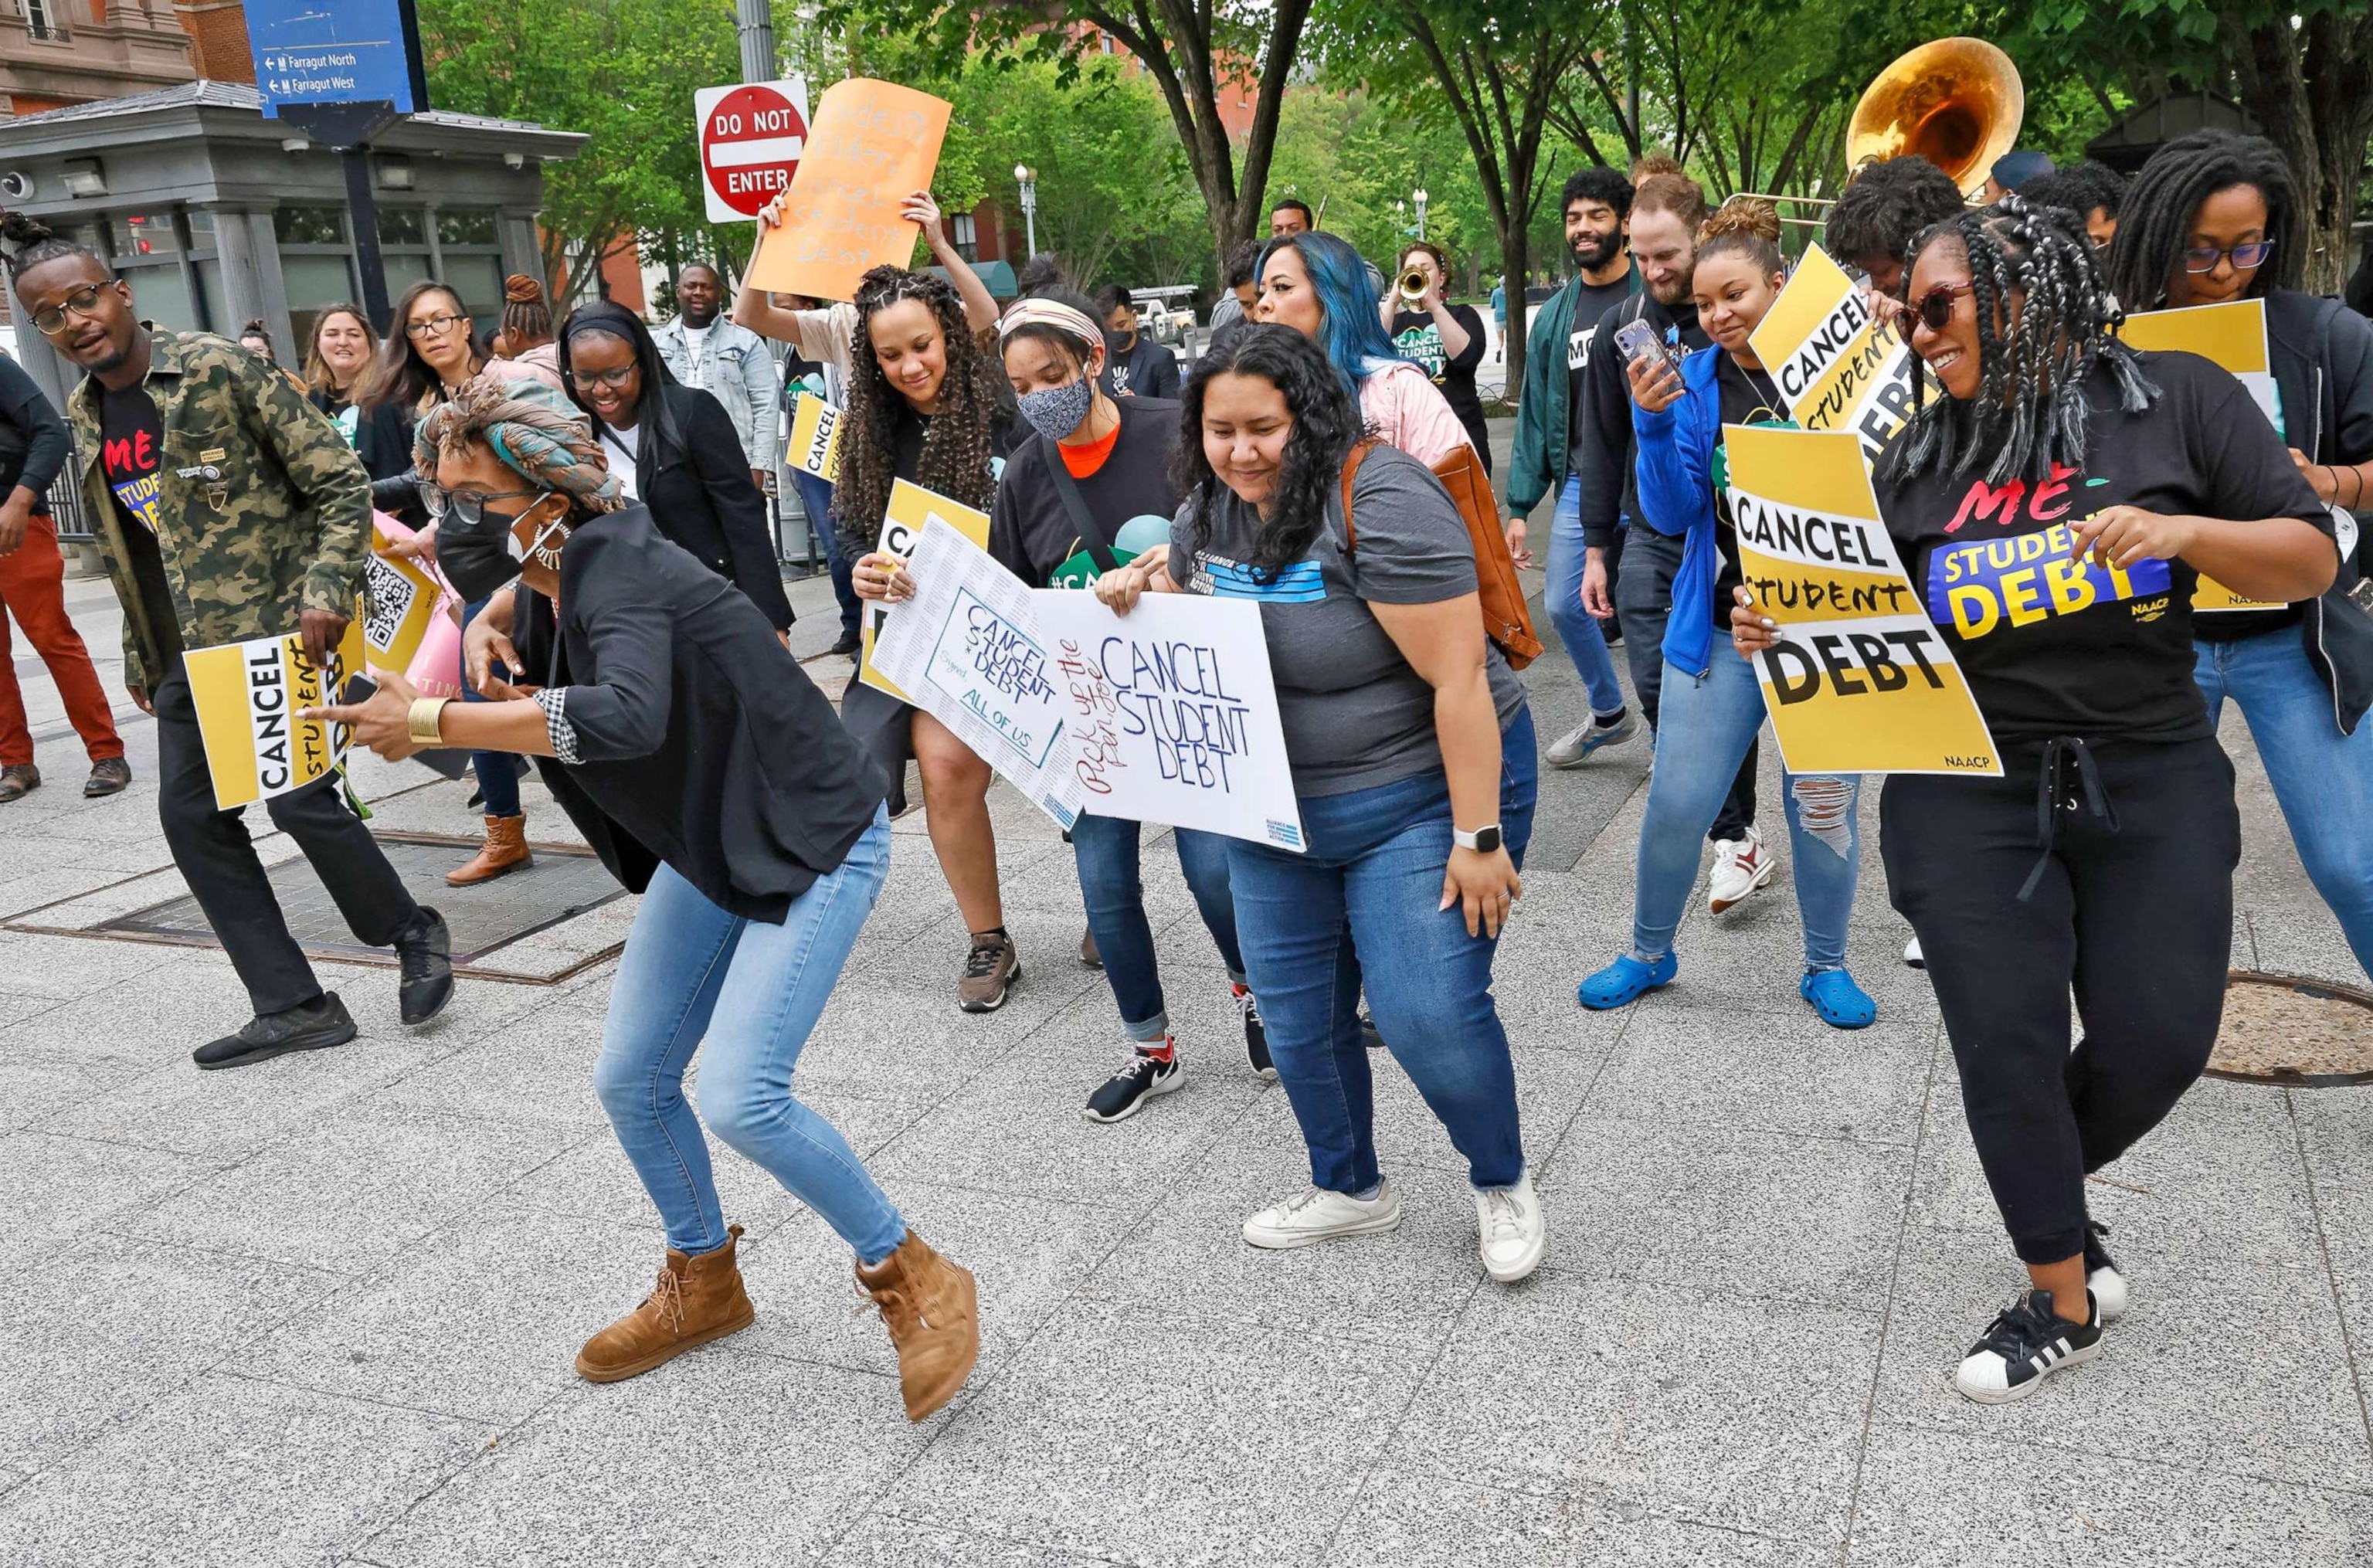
pixel 265 508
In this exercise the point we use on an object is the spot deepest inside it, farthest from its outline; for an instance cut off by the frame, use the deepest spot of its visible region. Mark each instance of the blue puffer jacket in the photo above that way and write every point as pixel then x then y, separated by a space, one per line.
pixel 1674 469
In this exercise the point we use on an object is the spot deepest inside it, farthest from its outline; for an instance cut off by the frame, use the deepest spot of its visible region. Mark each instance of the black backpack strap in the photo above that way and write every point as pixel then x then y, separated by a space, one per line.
pixel 1099 548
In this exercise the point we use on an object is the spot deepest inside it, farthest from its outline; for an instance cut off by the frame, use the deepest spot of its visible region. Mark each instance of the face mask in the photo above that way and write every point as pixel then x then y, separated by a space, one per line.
pixel 1120 342
pixel 481 557
pixel 1056 411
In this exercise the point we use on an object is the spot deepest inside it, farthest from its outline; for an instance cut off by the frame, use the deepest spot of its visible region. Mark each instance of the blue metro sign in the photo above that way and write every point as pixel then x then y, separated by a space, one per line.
pixel 331 51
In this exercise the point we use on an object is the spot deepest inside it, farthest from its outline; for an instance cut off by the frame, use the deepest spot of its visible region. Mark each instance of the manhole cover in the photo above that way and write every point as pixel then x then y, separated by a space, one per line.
pixel 563 882
pixel 2297 1033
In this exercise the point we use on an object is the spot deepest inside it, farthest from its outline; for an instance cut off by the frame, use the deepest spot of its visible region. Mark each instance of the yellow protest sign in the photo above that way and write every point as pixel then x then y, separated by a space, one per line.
pixel 1861 680
pixel 911 510
pixel 1840 366
pixel 2232 335
pixel 399 600
pixel 246 695
pixel 814 446
pixel 870 145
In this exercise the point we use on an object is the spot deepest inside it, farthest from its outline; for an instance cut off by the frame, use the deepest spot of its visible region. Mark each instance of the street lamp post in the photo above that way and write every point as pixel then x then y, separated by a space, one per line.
pixel 1420 194
pixel 1027 178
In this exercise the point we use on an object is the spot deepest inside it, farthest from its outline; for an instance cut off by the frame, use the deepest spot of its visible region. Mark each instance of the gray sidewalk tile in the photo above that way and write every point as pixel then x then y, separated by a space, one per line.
pixel 63 1190
pixel 1939 1500
pixel 237 1473
pixel 102 1328
pixel 1181 1441
pixel 1720 1409
pixel 34 1089
pixel 1756 1214
pixel 715 1457
pixel 884 1540
pixel 1403 1517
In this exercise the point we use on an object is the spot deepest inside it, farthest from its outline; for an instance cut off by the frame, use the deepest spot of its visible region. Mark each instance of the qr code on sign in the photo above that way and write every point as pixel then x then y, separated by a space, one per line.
pixel 387 595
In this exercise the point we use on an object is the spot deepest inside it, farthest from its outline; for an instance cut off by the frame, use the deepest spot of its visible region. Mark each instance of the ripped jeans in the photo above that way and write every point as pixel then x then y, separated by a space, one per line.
pixel 1703 730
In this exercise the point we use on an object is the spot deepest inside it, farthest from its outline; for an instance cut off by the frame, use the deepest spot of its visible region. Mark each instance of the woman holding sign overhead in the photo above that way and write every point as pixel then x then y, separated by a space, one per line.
pixel 1713 707
pixel 2056 507
pixel 1412 751
pixel 1090 489
pixel 2213 217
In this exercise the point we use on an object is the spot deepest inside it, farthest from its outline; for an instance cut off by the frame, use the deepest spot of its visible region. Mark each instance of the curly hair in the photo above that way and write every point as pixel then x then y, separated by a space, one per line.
pixel 2080 189
pixel 2029 411
pixel 1745 226
pixel 2165 199
pixel 955 460
pixel 1326 423
pixel 1888 205
pixel 1596 182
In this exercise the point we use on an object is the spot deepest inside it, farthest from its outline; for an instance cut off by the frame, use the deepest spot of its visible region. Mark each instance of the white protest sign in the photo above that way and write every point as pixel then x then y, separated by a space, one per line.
pixel 968 650
pixel 1173 713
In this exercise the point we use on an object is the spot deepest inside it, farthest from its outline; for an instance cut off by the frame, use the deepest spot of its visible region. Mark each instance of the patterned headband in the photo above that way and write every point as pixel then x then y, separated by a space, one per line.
pixel 1037 310
pixel 533 429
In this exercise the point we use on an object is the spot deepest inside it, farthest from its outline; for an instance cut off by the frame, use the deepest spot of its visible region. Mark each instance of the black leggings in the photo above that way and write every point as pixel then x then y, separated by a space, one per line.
pixel 2130 902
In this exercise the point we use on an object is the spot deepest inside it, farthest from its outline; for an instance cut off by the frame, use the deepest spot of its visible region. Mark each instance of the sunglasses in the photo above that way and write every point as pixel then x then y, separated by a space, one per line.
pixel 83 302
pixel 467 507
pixel 2204 258
pixel 1933 309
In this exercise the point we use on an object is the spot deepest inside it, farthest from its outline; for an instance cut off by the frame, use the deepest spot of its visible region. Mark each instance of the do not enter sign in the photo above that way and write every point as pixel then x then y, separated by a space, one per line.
pixel 751 138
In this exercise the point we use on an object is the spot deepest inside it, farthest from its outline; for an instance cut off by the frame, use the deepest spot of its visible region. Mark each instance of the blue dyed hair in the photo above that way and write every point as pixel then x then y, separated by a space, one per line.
pixel 1351 333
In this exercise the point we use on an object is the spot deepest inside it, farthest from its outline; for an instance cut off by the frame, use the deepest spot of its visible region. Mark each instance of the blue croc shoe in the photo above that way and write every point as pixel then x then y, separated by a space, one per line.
pixel 1625 981
pixel 1841 1002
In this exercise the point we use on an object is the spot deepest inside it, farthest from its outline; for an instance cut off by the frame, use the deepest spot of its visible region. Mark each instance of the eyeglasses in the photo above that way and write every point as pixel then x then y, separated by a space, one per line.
pixel 1933 309
pixel 587 379
pixel 467 507
pixel 435 326
pixel 83 302
pixel 2204 258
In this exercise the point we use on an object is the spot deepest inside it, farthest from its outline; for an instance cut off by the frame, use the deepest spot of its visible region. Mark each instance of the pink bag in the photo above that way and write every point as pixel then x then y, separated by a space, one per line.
pixel 436 668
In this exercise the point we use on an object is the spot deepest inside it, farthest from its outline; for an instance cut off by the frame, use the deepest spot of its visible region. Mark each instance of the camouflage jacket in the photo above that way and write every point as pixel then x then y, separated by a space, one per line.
pixel 265 509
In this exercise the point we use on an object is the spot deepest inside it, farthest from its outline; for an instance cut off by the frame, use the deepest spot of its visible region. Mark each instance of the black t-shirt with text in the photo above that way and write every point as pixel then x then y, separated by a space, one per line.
pixel 2053 644
pixel 132 455
pixel 1419 337
pixel 1592 301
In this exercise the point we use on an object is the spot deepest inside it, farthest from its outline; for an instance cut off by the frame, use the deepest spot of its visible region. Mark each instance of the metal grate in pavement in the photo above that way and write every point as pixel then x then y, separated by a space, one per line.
pixel 563 884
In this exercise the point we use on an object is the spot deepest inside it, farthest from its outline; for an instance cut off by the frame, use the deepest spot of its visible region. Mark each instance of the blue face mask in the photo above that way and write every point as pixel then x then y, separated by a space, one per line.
pixel 1056 411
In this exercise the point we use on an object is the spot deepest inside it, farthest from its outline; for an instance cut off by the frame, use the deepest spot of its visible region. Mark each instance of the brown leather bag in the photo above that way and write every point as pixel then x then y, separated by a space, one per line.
pixel 1507 620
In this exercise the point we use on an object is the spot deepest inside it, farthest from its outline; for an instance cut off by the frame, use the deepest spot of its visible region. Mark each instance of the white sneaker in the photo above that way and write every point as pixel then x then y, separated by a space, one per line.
pixel 1316 1215
pixel 1912 955
pixel 1574 747
pixel 1512 1232
pixel 1740 867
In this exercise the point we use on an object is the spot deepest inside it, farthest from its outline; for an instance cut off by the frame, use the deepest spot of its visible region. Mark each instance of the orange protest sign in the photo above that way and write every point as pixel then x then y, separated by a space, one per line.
pixel 870 145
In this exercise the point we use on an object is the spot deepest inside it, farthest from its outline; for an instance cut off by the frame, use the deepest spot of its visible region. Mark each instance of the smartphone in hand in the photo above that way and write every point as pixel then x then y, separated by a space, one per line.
pixel 1638 340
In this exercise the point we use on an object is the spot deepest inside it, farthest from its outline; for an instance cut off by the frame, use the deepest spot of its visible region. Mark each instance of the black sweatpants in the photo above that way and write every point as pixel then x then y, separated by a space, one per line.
pixel 218 860
pixel 1642 593
pixel 2132 907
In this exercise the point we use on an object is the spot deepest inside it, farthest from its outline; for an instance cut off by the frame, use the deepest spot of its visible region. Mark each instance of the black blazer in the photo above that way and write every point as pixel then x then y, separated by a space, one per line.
pixel 701 741
pixel 691 472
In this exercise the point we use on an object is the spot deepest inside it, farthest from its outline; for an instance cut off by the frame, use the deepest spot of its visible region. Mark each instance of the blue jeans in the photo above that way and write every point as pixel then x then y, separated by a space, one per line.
pixel 1106 849
pixel 815 500
pixel 497 772
pixel 1363 904
pixel 2322 778
pixel 692 974
pixel 1586 644
pixel 1706 727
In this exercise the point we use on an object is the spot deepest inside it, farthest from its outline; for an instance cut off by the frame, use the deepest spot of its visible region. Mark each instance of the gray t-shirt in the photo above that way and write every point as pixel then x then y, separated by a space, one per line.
pixel 1355 713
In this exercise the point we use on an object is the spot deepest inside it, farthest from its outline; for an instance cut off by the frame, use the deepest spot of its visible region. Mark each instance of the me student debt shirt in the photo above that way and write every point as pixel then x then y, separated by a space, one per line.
pixel 2053 644
pixel 132 450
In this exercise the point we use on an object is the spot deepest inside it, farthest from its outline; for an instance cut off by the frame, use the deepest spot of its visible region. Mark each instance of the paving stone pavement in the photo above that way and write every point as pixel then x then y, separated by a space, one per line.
pixel 321 1311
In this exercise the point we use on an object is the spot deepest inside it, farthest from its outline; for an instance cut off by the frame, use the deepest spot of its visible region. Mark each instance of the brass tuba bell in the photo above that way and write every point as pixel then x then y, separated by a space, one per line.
pixel 1956 103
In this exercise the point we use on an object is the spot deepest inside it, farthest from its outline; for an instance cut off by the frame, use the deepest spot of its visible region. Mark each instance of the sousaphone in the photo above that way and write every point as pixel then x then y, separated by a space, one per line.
pixel 1956 103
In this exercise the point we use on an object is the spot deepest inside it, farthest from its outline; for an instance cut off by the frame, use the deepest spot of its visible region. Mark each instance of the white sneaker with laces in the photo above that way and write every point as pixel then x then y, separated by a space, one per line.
pixel 1315 1214
pixel 1514 1235
pixel 1741 866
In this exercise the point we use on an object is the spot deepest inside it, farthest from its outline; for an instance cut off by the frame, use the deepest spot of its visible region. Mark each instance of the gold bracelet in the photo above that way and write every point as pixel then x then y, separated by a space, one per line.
pixel 426 719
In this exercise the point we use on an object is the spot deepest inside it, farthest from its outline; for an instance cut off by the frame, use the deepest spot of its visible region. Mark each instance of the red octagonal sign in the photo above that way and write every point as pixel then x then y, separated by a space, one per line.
pixel 751 138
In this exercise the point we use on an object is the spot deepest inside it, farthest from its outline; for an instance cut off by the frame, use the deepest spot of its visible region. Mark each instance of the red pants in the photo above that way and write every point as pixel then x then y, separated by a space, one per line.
pixel 33 584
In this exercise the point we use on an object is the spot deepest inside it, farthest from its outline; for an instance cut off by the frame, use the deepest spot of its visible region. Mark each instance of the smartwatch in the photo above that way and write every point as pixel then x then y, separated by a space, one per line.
pixel 1483 840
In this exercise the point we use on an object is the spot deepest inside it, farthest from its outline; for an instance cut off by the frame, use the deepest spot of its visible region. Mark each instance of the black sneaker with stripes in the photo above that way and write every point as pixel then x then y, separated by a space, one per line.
pixel 2026 1343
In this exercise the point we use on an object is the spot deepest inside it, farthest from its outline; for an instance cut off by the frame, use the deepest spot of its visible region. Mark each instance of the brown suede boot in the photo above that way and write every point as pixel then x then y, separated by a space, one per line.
pixel 696 1300
pixel 505 851
pixel 933 1315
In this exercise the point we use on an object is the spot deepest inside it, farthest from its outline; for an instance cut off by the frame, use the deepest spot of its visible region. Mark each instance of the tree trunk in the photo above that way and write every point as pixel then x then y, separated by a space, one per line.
pixel 1513 279
pixel 2312 89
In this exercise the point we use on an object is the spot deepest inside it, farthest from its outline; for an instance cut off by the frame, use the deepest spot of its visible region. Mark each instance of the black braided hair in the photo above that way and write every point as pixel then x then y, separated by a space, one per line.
pixel 1887 205
pixel 2045 321
pixel 2165 200
pixel 956 458
pixel 1326 423
pixel 31 243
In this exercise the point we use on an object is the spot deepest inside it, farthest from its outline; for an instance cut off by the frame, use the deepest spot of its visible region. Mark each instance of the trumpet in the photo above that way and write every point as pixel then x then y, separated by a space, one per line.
pixel 1413 286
